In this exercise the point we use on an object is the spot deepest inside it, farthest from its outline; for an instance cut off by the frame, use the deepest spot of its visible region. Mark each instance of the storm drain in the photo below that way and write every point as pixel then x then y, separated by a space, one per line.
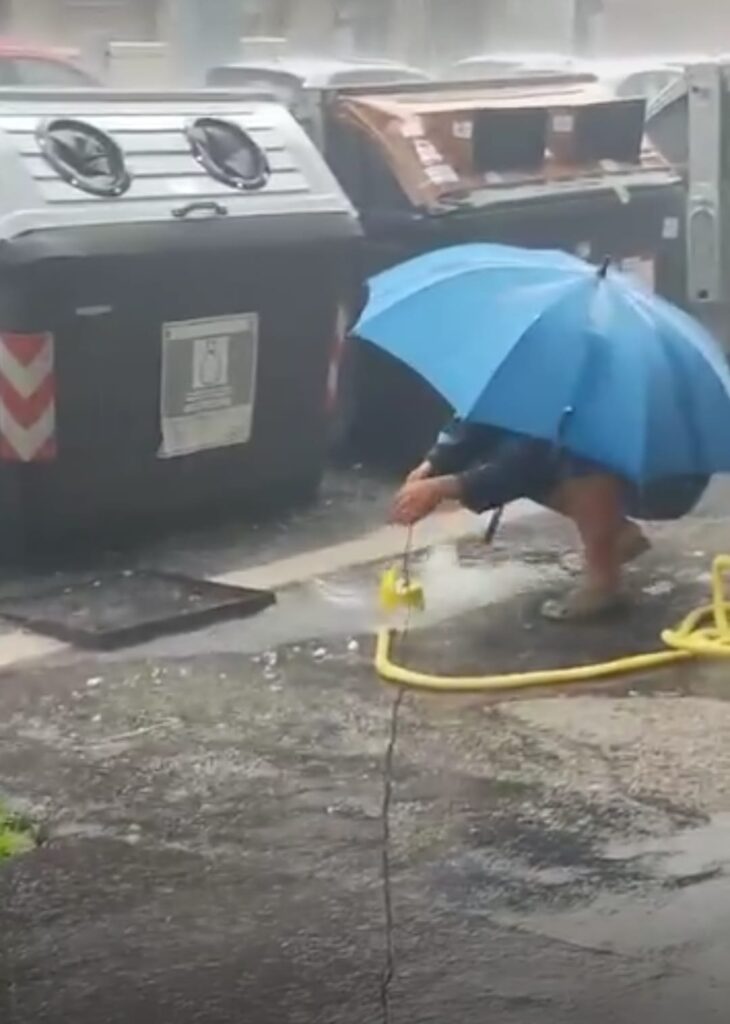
pixel 123 608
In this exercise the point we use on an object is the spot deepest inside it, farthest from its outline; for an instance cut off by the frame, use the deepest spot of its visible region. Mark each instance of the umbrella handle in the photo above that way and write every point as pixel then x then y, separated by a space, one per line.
pixel 493 526
pixel 490 534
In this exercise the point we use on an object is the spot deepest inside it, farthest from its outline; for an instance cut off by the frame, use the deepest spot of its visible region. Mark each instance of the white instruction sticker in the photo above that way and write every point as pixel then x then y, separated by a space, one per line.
pixel 442 174
pixel 563 123
pixel 412 128
pixel 642 269
pixel 208 386
pixel 427 152
pixel 463 129
pixel 670 229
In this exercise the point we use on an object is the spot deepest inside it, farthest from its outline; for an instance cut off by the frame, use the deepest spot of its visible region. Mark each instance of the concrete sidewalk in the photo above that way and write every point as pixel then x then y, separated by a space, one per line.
pixel 216 827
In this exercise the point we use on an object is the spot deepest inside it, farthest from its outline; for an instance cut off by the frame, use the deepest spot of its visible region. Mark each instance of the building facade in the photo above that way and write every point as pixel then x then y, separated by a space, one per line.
pixel 73 21
pixel 662 26
pixel 430 32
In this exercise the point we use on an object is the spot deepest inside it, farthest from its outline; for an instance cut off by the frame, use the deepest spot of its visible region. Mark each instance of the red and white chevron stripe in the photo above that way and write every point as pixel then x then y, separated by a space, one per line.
pixel 27 398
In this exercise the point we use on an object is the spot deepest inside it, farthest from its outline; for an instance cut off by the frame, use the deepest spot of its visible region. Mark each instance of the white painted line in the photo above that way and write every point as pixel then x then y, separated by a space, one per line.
pixel 18 648
pixel 386 542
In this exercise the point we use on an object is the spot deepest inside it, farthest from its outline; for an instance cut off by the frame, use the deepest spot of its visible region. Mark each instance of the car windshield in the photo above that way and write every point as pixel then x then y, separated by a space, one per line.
pixel 35 71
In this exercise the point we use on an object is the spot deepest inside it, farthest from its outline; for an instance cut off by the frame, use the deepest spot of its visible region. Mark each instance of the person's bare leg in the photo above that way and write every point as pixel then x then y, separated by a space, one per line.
pixel 632 541
pixel 595 505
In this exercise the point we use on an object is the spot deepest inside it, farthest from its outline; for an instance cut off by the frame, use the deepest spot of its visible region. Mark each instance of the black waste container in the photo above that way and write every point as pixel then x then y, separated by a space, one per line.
pixel 553 164
pixel 172 273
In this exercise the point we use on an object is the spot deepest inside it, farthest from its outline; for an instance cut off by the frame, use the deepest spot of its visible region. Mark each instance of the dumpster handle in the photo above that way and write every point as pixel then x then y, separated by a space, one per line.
pixel 209 205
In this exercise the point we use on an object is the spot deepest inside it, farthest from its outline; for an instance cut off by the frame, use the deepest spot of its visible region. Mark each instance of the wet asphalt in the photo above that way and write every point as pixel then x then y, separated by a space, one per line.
pixel 213 805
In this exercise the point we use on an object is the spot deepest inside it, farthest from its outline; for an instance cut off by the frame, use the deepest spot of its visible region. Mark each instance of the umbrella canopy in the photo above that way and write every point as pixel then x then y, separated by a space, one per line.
pixel 544 344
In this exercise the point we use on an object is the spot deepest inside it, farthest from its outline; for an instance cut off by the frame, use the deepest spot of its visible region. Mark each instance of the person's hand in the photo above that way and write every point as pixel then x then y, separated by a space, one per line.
pixel 419 499
pixel 422 472
pixel 415 501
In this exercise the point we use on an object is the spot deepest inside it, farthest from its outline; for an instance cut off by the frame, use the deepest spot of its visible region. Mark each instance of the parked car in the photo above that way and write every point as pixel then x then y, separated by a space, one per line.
pixel 27 66
pixel 512 65
pixel 645 77
pixel 311 73
pixel 623 77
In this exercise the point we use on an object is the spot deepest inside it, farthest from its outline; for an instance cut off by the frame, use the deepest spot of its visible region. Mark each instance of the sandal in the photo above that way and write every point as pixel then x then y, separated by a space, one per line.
pixel 632 544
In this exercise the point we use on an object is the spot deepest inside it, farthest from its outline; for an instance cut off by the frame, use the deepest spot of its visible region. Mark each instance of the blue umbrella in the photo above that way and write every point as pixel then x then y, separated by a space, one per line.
pixel 547 345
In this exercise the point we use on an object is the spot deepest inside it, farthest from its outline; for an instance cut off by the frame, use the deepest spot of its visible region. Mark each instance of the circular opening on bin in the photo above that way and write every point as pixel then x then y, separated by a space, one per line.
pixel 84 156
pixel 228 153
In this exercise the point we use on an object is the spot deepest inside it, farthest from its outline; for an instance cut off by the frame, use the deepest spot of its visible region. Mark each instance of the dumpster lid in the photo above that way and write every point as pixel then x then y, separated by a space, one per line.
pixel 676 91
pixel 477 143
pixel 673 93
pixel 667 123
pixel 93 157
pixel 668 118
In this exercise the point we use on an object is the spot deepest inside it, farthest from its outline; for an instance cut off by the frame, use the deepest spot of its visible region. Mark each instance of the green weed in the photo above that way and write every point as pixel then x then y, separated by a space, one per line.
pixel 17 836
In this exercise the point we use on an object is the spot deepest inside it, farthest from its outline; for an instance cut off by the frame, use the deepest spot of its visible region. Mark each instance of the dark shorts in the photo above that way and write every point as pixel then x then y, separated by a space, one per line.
pixel 497 467
pixel 666 499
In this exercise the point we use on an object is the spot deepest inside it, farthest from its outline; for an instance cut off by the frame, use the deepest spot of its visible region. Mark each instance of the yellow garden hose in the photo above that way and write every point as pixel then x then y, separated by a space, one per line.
pixel 704 633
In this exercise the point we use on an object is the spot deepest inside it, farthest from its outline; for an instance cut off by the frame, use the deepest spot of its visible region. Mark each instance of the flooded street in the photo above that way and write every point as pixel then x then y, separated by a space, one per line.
pixel 287 734
pixel 214 803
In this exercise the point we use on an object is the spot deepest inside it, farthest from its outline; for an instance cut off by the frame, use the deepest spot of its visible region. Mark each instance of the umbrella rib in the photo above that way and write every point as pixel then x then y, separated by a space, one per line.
pixel 441 278
pixel 682 393
pixel 493 383
pixel 563 288
pixel 643 313
pixel 707 348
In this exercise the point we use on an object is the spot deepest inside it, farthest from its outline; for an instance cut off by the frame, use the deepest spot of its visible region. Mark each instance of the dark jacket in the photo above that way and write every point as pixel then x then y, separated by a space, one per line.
pixel 497 466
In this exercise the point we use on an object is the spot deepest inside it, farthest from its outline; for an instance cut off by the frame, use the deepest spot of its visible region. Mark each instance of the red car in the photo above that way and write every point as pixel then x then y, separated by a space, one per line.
pixel 25 66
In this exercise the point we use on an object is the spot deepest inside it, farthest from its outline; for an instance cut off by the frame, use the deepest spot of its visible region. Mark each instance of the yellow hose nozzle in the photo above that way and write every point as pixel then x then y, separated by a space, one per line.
pixel 397 591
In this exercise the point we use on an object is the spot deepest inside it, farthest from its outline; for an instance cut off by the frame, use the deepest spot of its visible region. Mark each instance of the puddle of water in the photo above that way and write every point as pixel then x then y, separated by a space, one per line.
pixel 694 853
pixel 688 910
pixel 450 586
pixel 453 586
pixel 82 830
pixel 347 605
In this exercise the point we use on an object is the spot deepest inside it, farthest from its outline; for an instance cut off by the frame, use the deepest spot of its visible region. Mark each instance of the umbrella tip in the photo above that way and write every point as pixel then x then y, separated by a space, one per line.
pixel 603 269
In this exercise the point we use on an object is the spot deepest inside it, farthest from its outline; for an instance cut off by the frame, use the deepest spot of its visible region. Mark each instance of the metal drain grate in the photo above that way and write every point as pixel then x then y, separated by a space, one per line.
pixel 123 608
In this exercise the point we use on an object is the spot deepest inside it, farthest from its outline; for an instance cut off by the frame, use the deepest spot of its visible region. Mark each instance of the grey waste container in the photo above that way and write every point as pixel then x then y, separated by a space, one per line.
pixel 172 273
